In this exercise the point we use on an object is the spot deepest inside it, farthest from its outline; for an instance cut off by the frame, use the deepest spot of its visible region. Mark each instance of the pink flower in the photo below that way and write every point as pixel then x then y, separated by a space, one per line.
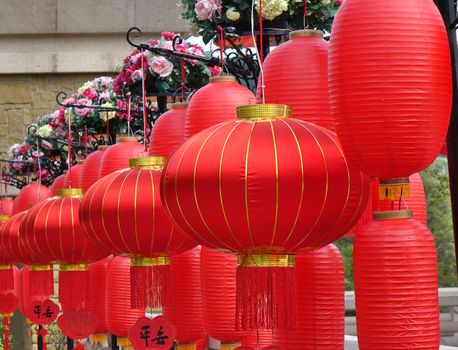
pixel 168 35
pixel 136 75
pixel 90 93
pixel 153 42
pixel 83 112
pixel 61 116
pixel 18 165
pixel 105 96
pixel 339 2
pixel 204 9
pixel 161 66
pixel 215 70
pixel 135 59
pixel 167 45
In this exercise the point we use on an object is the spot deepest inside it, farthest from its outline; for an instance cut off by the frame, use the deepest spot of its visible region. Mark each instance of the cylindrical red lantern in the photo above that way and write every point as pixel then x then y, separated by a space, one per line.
pixel 97 298
pixel 75 173
pixel 296 74
pixel 91 168
pixel 6 206
pixel 123 213
pixel 320 302
pixel 185 309
pixel 395 265
pixel 218 273
pixel 214 103
pixel 58 183
pixel 51 232
pixel 119 315
pixel 265 187
pixel 116 157
pixel 29 196
pixel 168 131
pixel 390 91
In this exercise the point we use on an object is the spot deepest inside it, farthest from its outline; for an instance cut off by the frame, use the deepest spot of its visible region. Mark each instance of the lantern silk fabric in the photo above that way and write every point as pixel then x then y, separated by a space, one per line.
pixel 90 170
pixel 29 196
pixel 75 172
pixel 59 182
pixel 6 206
pixel 390 91
pixel 395 274
pixel 117 156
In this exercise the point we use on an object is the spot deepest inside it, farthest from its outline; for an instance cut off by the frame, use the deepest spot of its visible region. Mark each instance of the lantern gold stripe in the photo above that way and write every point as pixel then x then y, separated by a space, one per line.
pixel 247 209
pixel 274 234
pixel 153 207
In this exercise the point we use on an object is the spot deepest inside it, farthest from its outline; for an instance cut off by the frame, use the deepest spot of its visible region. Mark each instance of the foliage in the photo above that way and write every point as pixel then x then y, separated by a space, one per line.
pixel 345 245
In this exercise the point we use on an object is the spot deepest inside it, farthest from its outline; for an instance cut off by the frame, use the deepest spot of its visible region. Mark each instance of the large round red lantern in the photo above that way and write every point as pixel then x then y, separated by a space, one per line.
pixel 296 74
pixel 119 315
pixel 91 168
pixel 320 302
pixel 218 273
pixel 264 187
pixel 214 103
pixel 168 131
pixel 73 176
pixel 58 183
pixel 29 196
pixel 6 206
pixel 395 265
pixel 116 157
pixel 185 308
pixel 390 91
pixel 51 232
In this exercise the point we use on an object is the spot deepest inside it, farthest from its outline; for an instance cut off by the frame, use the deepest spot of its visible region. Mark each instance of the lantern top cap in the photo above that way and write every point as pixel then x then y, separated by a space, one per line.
pixel 6 198
pixel 125 138
pixel 103 147
pixel 222 78
pixel 147 162
pixel 392 215
pixel 4 217
pixel 305 32
pixel 179 105
pixel 263 112
pixel 80 161
pixel 70 192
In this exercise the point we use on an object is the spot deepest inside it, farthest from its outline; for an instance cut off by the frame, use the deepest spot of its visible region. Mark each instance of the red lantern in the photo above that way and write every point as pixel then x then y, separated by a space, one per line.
pixel 265 187
pixel 296 74
pixel 97 298
pixel 168 131
pixel 395 266
pixel 123 213
pixel 6 206
pixel 91 168
pixel 77 324
pixel 51 232
pixel 58 183
pixel 258 339
pixel 9 302
pixel 391 91
pixel 75 173
pixel 214 103
pixel 119 315
pixel 29 196
pixel 185 309
pixel 320 302
pixel 117 156
pixel 218 272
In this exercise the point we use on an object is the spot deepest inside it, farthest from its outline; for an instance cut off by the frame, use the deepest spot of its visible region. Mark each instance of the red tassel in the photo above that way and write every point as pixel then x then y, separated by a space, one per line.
pixel 73 286
pixel 6 333
pixel 149 286
pixel 6 278
pixel 79 346
pixel 41 282
pixel 266 292
pixel 43 332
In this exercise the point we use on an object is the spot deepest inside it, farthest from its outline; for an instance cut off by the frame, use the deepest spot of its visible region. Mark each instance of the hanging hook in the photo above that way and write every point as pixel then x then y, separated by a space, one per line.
pixel 133 32
pixel 60 98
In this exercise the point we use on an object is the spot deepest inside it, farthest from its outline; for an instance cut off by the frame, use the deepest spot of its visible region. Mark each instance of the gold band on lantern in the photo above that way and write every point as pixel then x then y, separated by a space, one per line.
pixel 179 105
pixel 305 32
pixel 80 161
pixel 147 163
pixel 9 315
pixel 124 341
pixel 229 346
pixel 4 218
pixel 150 261
pixel 125 138
pixel 392 215
pixel 394 189
pixel 263 112
pixel 6 267
pixel 99 338
pixel 103 147
pixel 73 267
pixel 46 267
pixel 266 260
pixel 221 78
pixel 70 192
pixel 186 347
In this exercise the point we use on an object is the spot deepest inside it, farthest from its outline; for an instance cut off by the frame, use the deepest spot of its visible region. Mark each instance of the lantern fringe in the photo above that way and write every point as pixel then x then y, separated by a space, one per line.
pixel 99 338
pixel 41 330
pixel 149 286
pixel 41 283
pixel 266 297
pixel 73 288
pixel 394 192
pixel 6 279
pixel 79 346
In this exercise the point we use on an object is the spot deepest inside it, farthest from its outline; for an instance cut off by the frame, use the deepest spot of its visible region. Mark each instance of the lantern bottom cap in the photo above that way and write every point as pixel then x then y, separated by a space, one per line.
pixel 394 189
pixel 265 260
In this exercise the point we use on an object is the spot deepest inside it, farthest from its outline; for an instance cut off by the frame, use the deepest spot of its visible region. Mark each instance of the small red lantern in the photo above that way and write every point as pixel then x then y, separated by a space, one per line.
pixel 91 168
pixel 296 74
pixel 51 232
pixel 320 302
pixel 58 183
pixel 214 103
pixel 123 213
pixel 264 187
pixel 168 131
pixel 391 91
pixel 395 265
pixel 75 173
pixel 185 309
pixel 6 206
pixel 116 157
pixel 29 196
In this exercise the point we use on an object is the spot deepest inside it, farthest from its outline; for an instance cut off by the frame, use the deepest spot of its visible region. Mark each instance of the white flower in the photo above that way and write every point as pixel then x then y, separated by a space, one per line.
pixel 232 14
pixel 272 8
pixel 107 115
pixel 45 131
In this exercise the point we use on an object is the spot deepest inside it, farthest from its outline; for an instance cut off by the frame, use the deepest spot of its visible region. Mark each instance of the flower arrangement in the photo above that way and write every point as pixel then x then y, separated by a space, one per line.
pixel 163 74
pixel 208 14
